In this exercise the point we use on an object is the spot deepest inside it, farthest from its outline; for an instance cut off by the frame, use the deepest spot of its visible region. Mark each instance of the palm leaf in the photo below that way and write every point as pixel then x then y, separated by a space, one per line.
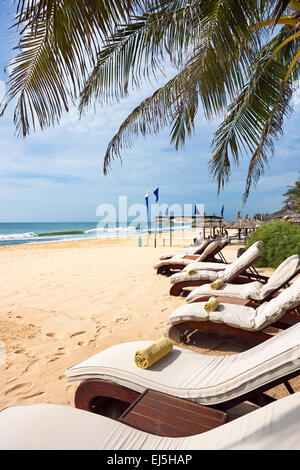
pixel 254 119
pixel 57 48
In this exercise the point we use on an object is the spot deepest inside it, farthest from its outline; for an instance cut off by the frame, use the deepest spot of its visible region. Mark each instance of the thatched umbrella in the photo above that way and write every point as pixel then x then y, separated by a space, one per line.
pixel 247 224
pixel 238 224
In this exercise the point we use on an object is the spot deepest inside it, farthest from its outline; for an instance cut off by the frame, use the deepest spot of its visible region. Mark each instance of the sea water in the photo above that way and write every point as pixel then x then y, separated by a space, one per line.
pixel 15 233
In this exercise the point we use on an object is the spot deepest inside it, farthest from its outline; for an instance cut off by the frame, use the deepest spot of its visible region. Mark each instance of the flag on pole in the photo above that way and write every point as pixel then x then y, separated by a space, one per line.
pixel 196 212
pixel 167 211
pixel 156 194
pixel 147 198
pixel 222 211
pixel 147 206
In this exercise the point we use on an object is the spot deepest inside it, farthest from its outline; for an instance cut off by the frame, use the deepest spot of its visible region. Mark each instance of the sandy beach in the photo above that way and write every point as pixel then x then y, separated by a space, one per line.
pixel 62 302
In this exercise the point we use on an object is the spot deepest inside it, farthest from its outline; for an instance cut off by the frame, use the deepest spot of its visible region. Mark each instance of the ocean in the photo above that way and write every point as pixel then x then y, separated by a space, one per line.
pixel 16 233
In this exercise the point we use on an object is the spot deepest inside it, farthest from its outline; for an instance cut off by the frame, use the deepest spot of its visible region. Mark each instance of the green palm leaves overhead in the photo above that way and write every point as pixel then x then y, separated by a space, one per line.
pixel 236 59
pixel 293 196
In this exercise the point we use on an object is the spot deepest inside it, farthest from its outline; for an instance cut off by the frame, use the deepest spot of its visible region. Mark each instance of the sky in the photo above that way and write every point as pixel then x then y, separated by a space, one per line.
pixel 56 175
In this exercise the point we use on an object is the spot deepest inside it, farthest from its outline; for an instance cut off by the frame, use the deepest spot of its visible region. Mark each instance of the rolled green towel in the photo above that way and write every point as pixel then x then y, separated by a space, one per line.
pixel 190 271
pixel 155 351
pixel 211 305
pixel 217 284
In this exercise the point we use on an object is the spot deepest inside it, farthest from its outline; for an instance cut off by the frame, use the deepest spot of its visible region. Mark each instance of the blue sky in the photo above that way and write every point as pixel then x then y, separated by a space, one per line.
pixel 56 175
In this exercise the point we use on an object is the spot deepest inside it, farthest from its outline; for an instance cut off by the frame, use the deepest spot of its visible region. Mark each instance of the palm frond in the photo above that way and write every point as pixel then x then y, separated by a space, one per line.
pixel 254 119
pixel 136 51
pixel 57 48
pixel 214 73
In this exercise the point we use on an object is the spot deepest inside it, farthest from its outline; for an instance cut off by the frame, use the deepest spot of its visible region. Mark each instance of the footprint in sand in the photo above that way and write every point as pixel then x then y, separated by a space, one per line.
pixel 15 388
pixel 121 319
pixel 19 351
pixel 77 333
pixel 33 395
pixel 50 335
pixel 53 359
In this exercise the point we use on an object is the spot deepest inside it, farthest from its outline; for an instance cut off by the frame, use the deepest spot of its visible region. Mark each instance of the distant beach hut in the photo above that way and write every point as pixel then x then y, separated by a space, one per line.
pixel 211 222
pixel 285 214
pixel 238 224
pixel 293 218
pixel 281 214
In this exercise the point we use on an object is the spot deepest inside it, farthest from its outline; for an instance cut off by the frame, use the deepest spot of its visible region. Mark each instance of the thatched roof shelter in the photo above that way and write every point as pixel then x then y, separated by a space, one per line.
pixel 238 222
pixel 247 223
pixel 282 213
pixel 225 223
pixel 294 218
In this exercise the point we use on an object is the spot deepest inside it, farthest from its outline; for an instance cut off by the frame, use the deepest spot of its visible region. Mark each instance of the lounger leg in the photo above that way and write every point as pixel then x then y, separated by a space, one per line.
pixel 262 399
pixel 289 387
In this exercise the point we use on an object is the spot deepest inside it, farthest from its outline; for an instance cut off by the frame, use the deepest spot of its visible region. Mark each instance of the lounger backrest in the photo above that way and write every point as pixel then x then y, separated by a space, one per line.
pixel 271 311
pixel 211 249
pixel 283 274
pixel 202 247
pixel 243 262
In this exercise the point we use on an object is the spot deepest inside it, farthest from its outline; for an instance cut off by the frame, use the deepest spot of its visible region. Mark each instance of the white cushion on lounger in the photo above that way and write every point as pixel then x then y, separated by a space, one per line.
pixel 248 257
pixel 252 290
pixel 199 266
pixel 210 249
pixel 229 272
pixel 240 316
pixel 275 308
pixel 249 290
pixel 173 262
pixel 281 275
pixel 47 427
pixel 198 377
pixel 194 250
pixel 203 275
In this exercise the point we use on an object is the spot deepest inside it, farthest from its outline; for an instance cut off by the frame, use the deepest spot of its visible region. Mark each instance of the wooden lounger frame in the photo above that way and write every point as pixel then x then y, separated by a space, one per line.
pixel 179 332
pixel 233 300
pixel 90 392
pixel 168 269
pixel 241 277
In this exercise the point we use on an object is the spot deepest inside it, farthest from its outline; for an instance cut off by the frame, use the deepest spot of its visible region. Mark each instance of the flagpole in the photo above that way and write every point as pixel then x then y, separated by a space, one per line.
pixel 155 233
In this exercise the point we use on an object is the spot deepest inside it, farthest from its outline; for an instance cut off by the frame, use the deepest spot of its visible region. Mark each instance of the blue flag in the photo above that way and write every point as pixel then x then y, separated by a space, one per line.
pixel 196 212
pixel 222 211
pixel 156 194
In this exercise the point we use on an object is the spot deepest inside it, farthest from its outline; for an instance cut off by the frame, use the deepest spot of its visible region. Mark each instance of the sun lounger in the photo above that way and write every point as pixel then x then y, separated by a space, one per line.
pixel 195 250
pixel 180 262
pixel 58 427
pixel 256 291
pixel 240 271
pixel 222 381
pixel 240 320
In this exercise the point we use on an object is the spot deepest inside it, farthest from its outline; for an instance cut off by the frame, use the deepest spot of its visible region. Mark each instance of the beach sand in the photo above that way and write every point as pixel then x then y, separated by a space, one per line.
pixel 63 302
